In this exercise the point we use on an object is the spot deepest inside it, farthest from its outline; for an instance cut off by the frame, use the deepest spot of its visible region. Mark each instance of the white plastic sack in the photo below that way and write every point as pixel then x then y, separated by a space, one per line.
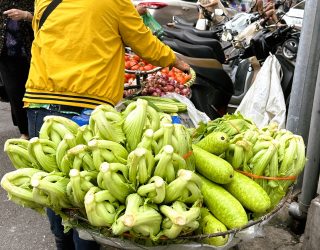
pixel 201 24
pixel 264 101
pixel 195 115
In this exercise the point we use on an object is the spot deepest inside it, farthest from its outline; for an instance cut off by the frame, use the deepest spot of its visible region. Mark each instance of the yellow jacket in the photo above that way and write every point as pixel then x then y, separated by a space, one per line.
pixel 78 55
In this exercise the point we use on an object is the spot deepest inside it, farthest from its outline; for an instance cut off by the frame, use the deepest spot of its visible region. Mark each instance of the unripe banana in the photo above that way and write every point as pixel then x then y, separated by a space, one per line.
pixel 68 123
pixel 46 161
pixel 154 118
pixel 289 156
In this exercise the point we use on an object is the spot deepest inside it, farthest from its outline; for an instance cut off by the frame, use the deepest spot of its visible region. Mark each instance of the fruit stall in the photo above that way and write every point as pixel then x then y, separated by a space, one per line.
pixel 137 177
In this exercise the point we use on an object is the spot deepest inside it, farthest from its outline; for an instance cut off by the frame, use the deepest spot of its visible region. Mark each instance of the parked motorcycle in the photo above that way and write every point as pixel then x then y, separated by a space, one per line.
pixel 260 43
pixel 209 18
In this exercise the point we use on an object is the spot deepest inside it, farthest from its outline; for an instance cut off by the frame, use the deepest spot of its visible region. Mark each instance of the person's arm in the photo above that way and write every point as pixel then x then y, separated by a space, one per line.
pixel 141 40
pixel 17 14
pixel 211 4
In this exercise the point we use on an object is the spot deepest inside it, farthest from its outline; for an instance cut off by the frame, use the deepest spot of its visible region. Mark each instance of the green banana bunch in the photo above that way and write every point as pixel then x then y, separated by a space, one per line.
pixel 153 119
pixel 289 155
pixel 231 124
pixel 78 157
pixel 165 118
pixel 164 136
pixel 154 191
pixel 54 128
pixel 139 218
pixel 179 219
pixel 283 137
pixel 68 142
pixel 147 140
pixel 107 151
pixel 50 190
pixel 114 177
pixel 84 134
pixel 291 161
pixel 106 123
pixel 239 153
pixel 101 207
pixel 17 150
pixel 79 185
pixel 139 116
pixel 272 171
pixel 43 153
pixel 251 135
pixel 263 151
pixel 184 141
pixel 271 129
pixel 141 165
pixel 165 166
pixel 18 186
pixel 185 188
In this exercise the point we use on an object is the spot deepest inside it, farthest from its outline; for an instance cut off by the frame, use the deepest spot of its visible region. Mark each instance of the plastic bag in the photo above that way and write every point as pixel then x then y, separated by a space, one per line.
pixel 201 24
pixel 264 101
pixel 194 115
pixel 153 25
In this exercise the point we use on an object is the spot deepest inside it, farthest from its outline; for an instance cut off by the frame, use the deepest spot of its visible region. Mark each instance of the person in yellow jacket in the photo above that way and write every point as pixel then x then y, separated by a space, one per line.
pixel 78 62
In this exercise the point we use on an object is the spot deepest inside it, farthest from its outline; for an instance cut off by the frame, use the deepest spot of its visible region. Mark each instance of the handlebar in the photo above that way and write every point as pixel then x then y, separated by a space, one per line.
pixel 142 72
pixel 139 73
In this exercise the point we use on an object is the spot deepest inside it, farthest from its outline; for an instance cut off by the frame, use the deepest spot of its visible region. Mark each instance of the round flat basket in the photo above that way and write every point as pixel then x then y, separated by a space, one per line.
pixel 192 79
pixel 134 92
pixel 105 238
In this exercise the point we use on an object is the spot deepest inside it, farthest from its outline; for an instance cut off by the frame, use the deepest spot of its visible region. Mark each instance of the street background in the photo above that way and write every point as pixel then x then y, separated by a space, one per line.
pixel 25 229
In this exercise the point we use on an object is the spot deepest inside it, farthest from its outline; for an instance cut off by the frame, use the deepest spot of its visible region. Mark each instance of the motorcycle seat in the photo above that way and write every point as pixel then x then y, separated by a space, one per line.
pixel 206 33
pixel 218 78
pixel 202 33
pixel 174 33
pixel 180 20
pixel 212 43
pixel 188 37
pixel 198 51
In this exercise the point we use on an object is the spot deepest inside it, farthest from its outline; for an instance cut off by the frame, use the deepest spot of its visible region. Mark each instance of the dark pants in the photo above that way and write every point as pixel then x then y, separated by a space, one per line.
pixel 14 72
pixel 70 240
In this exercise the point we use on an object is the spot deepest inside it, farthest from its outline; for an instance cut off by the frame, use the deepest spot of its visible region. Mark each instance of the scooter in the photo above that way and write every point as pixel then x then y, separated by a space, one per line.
pixel 209 18
pixel 263 42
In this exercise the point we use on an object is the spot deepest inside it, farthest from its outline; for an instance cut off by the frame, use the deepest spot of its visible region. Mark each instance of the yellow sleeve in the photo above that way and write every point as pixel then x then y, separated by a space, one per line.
pixel 139 37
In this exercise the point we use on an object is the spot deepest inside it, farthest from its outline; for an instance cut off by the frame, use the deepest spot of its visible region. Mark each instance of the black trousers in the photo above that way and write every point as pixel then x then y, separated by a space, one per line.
pixel 14 71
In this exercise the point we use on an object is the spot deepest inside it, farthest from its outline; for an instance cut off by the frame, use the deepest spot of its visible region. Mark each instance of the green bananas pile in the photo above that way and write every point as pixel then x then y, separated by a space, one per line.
pixel 117 171
pixel 268 152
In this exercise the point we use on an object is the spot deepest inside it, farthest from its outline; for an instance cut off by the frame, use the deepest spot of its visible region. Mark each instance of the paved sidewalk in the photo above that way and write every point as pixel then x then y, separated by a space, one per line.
pixel 24 229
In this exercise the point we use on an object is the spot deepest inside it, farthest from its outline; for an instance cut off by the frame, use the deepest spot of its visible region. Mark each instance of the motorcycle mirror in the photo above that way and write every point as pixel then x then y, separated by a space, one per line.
pixel 218 12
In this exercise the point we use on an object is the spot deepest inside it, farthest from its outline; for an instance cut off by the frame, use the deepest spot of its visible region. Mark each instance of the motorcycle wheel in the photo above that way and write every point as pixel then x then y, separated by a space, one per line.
pixel 287 53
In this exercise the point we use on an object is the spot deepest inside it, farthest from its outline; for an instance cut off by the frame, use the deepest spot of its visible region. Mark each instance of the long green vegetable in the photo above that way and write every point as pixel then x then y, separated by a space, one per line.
pixel 212 167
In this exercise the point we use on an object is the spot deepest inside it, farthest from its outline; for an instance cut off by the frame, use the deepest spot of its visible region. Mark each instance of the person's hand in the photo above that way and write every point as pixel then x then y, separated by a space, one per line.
pixel 179 64
pixel 141 9
pixel 16 14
